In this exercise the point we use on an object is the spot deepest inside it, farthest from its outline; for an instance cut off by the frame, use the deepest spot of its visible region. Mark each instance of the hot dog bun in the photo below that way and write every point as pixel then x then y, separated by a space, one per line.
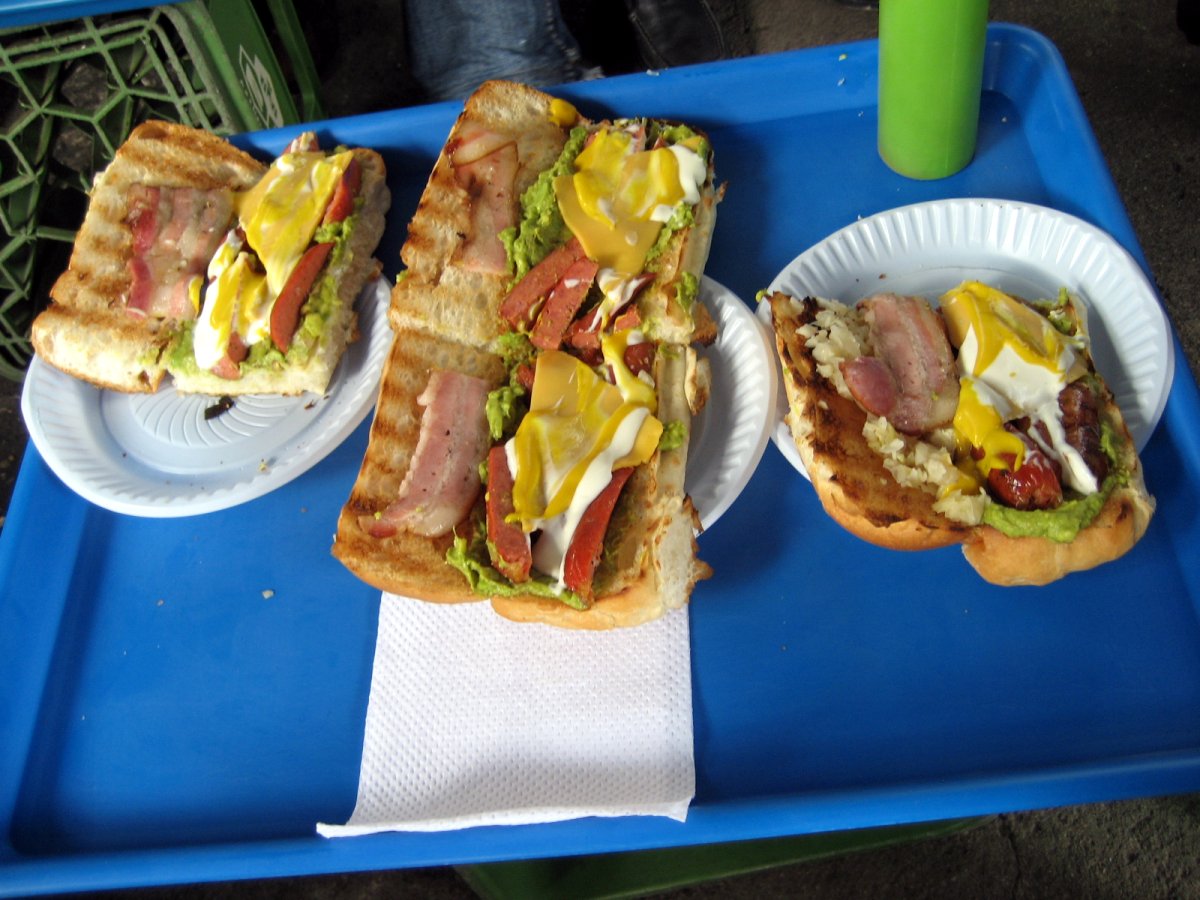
pixel 89 330
pixel 446 312
pixel 888 501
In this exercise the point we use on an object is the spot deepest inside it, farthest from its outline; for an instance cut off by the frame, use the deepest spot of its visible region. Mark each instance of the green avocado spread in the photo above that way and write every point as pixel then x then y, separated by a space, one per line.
pixel 472 559
pixel 674 435
pixel 541 228
pixel 504 409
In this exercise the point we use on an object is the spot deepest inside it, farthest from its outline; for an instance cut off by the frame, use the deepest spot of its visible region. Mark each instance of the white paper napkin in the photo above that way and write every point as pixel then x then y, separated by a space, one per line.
pixel 476 720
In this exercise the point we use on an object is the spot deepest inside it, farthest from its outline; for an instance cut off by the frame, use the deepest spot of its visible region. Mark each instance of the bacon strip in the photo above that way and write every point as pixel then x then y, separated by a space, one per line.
pixel 912 379
pixel 490 184
pixel 587 544
pixel 175 233
pixel 475 141
pixel 508 544
pixel 442 482
pixel 1081 422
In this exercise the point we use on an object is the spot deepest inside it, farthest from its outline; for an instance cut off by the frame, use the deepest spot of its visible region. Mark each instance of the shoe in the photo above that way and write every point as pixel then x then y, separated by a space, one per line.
pixel 676 32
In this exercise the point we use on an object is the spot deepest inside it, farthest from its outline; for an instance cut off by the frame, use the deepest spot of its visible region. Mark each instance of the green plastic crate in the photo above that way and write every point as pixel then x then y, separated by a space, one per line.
pixel 71 91
pixel 635 874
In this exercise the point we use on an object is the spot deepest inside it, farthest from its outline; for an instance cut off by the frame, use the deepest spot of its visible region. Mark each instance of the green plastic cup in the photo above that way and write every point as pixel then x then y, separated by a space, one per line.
pixel 930 78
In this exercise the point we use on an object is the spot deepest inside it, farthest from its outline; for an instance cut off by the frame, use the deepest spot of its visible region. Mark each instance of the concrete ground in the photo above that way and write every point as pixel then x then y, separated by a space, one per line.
pixel 1139 80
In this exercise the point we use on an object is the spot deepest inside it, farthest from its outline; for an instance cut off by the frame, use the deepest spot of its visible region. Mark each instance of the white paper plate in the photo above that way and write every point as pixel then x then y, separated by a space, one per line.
pixel 157 455
pixel 730 434
pixel 1020 248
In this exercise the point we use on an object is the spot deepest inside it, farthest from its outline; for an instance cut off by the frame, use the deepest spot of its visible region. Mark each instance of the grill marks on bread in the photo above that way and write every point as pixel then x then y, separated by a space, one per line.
pixel 85 332
pixel 849 477
pixel 447 317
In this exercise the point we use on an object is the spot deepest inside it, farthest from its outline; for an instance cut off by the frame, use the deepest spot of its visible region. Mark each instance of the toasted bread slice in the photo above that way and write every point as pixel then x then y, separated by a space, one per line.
pixel 439 295
pixel 850 478
pixel 405 563
pixel 652 566
pixel 650 570
pixel 436 294
pixel 858 485
pixel 1007 560
pixel 87 331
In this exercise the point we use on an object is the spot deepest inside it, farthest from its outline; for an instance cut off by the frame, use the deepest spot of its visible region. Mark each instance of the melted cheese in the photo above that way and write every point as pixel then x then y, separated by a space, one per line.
pixel 279 216
pixel 618 197
pixel 1013 363
pixel 635 389
pixel 234 286
pixel 563 113
pixel 578 429
pixel 550 550
pixel 281 212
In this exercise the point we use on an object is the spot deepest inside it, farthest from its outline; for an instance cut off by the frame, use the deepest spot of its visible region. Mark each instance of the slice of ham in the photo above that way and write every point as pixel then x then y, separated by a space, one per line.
pixel 175 233
pixel 508 544
pixel 442 481
pixel 563 303
pixel 912 379
pixel 475 141
pixel 521 306
pixel 490 183
pixel 587 543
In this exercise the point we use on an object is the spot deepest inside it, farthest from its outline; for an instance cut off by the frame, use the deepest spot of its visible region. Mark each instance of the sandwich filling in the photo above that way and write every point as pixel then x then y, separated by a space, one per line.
pixel 578 414
pixel 1022 445
pixel 254 295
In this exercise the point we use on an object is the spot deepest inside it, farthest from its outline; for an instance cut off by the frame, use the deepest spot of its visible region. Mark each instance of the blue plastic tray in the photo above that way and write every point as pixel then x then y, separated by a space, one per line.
pixel 161 721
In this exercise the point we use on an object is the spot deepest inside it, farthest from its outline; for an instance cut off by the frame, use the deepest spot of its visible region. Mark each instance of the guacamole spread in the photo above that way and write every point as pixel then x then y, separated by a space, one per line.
pixel 674 434
pixel 472 559
pixel 541 228
pixel 504 410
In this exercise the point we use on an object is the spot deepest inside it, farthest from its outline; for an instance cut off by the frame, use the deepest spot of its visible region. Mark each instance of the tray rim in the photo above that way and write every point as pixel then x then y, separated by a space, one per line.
pixel 1116 778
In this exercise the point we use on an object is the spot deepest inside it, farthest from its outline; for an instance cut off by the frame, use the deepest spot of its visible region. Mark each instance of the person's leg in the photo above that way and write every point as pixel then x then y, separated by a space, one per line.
pixel 676 32
pixel 454 45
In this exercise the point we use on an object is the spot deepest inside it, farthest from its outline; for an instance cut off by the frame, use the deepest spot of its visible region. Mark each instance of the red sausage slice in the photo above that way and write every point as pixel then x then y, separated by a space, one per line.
pixel 520 305
pixel 508 543
pixel 562 304
pixel 342 203
pixel 588 541
pixel 285 314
